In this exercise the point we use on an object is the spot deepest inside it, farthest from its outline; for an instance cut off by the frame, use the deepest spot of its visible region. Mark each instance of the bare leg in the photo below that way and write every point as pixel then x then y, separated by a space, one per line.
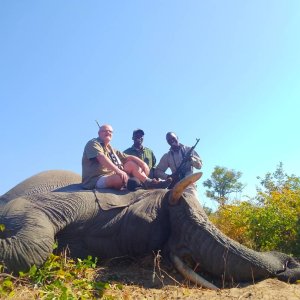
pixel 114 181
pixel 133 169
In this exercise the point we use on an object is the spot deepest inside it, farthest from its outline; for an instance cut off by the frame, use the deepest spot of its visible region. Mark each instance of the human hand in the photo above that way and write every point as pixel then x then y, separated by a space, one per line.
pixel 123 175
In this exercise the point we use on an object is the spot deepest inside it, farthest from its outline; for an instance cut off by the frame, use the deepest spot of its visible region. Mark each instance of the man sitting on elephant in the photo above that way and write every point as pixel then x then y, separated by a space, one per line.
pixel 104 167
pixel 174 160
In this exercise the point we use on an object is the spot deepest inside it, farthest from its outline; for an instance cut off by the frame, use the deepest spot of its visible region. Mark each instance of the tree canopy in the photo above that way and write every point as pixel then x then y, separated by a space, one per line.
pixel 223 182
pixel 278 181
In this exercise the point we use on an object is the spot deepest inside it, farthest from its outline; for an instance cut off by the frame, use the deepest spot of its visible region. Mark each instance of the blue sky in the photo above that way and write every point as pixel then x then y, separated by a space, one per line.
pixel 227 72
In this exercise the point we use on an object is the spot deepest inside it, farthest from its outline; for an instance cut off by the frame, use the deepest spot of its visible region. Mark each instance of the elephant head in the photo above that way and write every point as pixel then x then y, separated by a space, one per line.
pixel 195 239
pixel 108 223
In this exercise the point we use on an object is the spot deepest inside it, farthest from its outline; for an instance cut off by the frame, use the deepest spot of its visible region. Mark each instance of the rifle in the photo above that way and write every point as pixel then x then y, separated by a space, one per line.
pixel 178 174
pixel 97 123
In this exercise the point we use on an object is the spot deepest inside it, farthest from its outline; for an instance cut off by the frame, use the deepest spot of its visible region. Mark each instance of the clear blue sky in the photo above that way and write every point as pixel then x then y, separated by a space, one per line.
pixel 227 72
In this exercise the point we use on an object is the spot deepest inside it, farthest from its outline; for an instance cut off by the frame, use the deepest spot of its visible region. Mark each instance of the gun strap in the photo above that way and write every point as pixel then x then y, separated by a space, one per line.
pixel 113 157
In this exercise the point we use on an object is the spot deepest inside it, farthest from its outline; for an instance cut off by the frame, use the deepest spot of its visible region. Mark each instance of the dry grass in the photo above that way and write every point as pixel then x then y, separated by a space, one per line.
pixel 148 278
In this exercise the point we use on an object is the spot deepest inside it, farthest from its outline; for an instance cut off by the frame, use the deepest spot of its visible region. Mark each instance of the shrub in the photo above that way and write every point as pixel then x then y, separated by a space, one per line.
pixel 273 224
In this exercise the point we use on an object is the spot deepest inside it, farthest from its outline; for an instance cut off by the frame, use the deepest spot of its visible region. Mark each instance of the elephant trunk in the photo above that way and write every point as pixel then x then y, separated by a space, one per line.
pixel 195 237
pixel 27 237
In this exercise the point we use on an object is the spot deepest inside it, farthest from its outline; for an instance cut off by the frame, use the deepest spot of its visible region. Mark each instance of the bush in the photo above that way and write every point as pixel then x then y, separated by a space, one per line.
pixel 272 225
pixel 234 221
pixel 276 224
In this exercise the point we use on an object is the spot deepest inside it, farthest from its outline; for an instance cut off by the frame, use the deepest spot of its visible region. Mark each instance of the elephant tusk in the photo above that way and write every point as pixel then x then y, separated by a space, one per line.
pixel 178 189
pixel 189 274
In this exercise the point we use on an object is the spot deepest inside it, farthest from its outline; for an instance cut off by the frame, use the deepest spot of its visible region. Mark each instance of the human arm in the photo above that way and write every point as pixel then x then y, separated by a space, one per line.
pixel 161 168
pixel 107 163
pixel 196 160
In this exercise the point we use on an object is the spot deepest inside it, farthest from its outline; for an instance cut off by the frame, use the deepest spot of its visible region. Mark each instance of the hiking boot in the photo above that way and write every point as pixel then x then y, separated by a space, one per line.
pixel 133 184
pixel 157 184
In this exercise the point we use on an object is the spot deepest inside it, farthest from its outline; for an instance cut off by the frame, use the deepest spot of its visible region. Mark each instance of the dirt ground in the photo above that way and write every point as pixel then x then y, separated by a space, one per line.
pixel 147 279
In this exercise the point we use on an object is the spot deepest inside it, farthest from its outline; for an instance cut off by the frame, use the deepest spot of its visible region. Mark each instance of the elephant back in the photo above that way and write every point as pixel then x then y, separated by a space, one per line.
pixel 46 181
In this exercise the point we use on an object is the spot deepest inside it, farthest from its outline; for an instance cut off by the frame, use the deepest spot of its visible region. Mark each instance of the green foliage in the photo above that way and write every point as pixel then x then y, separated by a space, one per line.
pixel 277 181
pixel 234 221
pixel 222 183
pixel 7 285
pixel 58 278
pixel 276 224
pixel 2 227
pixel 272 223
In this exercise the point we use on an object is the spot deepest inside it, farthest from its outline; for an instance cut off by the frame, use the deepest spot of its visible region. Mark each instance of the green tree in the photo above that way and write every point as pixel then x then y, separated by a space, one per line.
pixel 276 182
pixel 222 183
pixel 273 223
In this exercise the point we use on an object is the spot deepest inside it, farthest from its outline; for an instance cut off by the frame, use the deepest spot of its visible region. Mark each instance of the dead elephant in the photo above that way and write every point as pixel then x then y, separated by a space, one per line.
pixel 51 205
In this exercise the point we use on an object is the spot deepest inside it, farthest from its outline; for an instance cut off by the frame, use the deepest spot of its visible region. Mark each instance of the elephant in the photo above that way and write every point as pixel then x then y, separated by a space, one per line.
pixel 52 206
pixel 43 182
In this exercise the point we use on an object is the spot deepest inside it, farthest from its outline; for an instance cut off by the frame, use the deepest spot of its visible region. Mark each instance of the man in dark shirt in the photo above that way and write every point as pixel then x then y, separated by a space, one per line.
pixel 144 153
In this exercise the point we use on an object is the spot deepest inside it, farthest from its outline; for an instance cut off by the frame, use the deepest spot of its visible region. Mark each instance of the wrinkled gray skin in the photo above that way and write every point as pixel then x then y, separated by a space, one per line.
pixel 51 205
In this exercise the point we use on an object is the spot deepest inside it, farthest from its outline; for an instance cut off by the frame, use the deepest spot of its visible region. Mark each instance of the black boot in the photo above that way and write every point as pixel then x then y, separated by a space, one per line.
pixel 133 184
pixel 155 184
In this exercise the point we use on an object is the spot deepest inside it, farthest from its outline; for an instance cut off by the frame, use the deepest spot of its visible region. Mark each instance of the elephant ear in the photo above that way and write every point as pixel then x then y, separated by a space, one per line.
pixel 179 188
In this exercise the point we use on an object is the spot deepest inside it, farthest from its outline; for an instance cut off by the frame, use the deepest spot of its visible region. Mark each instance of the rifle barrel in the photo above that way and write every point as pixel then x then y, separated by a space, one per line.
pixel 97 123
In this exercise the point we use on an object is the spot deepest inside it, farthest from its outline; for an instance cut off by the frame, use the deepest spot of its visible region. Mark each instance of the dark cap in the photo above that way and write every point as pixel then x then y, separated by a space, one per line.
pixel 138 131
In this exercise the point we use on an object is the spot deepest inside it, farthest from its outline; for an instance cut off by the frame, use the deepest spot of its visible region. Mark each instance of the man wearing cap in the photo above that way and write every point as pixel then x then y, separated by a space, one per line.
pixel 138 150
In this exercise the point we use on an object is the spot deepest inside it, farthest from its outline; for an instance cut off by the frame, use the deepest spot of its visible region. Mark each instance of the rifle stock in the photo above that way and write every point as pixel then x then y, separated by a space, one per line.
pixel 177 175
